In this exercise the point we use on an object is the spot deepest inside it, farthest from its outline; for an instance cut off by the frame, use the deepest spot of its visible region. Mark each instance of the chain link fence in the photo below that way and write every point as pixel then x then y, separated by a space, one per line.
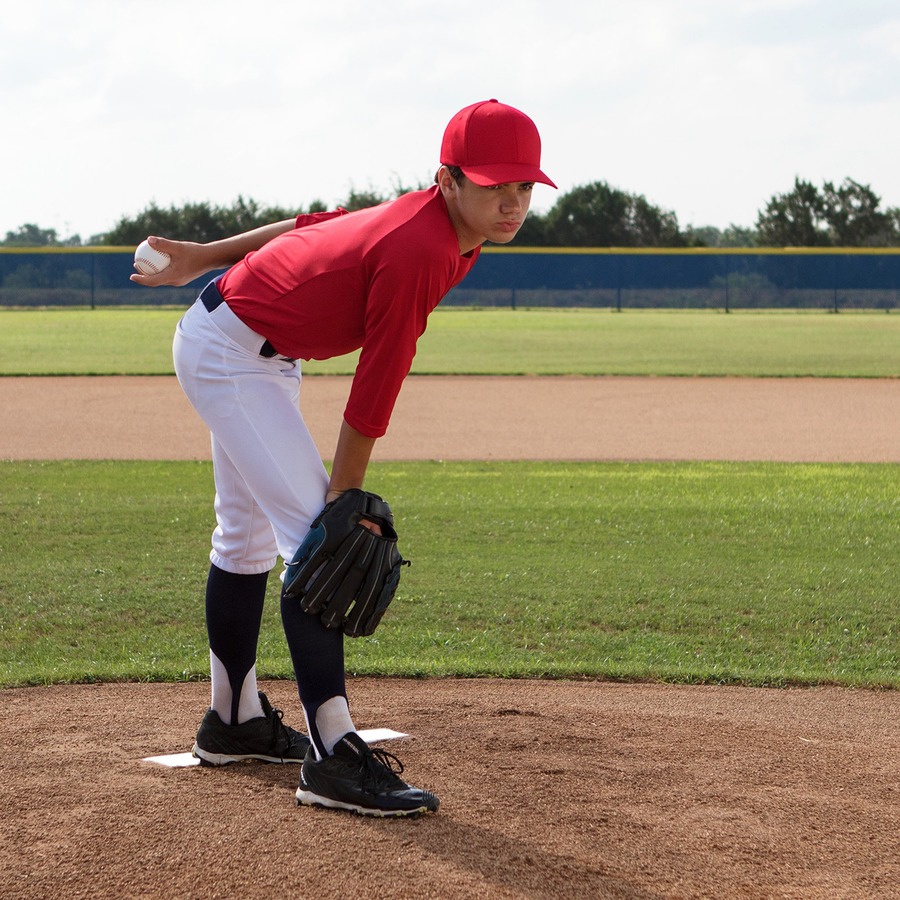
pixel 702 278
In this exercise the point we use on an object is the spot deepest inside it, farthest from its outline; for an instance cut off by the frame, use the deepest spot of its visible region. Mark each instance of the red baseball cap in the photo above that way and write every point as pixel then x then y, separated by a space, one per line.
pixel 493 144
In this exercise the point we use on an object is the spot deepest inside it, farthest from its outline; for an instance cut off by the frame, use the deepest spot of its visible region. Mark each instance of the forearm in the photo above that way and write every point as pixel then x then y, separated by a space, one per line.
pixel 228 251
pixel 190 260
pixel 351 459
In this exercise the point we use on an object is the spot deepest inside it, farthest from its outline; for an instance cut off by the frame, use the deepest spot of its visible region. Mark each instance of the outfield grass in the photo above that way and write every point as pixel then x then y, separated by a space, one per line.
pixel 719 573
pixel 501 342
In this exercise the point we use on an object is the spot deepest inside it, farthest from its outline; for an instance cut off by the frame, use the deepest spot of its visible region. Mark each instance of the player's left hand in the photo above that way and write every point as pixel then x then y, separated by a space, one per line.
pixel 344 572
pixel 374 527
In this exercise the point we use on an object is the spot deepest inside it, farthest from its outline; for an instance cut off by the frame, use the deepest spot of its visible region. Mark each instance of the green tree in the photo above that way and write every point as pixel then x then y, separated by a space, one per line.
pixel 362 199
pixel 842 216
pixel 597 215
pixel 533 232
pixel 200 222
pixel 710 236
pixel 853 217
pixel 31 235
pixel 794 219
pixel 893 215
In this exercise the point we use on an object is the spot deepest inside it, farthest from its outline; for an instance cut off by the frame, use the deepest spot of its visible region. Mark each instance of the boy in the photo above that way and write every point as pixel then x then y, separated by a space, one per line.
pixel 312 288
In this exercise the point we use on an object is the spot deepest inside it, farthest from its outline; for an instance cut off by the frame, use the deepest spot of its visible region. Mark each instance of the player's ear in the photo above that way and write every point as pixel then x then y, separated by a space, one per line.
pixel 445 181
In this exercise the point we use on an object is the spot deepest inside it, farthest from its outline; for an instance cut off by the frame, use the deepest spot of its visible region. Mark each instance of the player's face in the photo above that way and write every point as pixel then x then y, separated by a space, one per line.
pixel 482 214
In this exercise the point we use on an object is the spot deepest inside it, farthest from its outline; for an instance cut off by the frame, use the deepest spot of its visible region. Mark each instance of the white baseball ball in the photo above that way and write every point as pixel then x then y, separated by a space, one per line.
pixel 149 261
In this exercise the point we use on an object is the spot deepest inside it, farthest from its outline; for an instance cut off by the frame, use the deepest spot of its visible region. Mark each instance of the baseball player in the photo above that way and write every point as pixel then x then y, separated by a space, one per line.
pixel 315 287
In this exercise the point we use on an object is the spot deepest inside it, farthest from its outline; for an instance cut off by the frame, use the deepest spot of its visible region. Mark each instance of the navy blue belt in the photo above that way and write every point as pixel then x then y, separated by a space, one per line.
pixel 212 299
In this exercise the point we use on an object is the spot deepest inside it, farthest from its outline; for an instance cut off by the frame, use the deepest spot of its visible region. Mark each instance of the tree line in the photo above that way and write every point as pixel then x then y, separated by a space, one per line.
pixel 848 214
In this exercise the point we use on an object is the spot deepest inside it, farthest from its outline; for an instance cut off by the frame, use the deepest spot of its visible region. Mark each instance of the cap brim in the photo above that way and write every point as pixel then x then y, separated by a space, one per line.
pixel 507 173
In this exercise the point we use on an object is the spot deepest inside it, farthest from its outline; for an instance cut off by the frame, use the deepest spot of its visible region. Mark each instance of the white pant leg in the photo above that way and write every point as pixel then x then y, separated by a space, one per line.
pixel 243 541
pixel 270 479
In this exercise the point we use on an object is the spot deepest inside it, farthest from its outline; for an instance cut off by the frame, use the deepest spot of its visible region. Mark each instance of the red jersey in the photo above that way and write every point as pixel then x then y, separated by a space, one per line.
pixel 338 283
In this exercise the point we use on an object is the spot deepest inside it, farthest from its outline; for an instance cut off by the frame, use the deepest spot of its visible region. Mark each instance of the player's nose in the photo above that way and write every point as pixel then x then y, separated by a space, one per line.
pixel 510 201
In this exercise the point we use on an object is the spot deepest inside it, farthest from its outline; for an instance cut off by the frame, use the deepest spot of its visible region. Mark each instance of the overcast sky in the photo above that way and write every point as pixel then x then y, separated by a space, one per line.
pixel 705 107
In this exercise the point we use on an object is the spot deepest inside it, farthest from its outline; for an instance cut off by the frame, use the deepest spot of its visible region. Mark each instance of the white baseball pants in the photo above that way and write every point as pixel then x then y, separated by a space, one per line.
pixel 269 477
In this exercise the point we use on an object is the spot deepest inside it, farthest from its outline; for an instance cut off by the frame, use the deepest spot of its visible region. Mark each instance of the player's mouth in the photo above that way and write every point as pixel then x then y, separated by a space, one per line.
pixel 509 226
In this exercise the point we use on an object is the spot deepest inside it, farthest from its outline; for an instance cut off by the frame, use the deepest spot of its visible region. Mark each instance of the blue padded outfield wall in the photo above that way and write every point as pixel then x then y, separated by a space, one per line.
pixel 702 278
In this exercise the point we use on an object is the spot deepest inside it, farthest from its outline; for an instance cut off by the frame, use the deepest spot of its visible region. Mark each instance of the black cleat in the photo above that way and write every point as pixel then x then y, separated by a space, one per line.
pixel 362 781
pixel 266 738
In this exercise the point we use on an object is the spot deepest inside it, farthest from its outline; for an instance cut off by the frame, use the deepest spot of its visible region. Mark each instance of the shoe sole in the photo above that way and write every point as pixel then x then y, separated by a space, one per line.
pixel 223 759
pixel 308 798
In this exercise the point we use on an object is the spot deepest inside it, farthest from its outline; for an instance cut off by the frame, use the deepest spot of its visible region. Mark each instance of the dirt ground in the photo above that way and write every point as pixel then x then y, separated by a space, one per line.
pixel 571 418
pixel 574 789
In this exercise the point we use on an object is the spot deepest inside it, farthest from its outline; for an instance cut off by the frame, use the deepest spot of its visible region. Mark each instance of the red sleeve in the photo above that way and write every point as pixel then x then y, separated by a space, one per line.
pixel 400 298
pixel 314 218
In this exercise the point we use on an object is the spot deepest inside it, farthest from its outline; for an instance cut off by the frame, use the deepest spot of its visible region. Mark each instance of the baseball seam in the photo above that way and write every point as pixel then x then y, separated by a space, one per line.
pixel 152 265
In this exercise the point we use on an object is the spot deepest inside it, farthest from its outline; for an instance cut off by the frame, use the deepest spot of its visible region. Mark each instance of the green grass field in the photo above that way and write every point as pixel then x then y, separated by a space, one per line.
pixel 718 573
pixel 502 342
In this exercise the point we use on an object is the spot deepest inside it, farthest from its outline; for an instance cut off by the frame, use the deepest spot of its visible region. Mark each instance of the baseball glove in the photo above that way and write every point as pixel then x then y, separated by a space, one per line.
pixel 343 572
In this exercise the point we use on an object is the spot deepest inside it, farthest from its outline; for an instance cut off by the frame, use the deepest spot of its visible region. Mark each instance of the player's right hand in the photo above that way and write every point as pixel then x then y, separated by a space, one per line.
pixel 188 261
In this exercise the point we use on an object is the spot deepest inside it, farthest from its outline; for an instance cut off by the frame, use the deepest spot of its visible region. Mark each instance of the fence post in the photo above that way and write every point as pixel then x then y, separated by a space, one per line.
pixel 618 282
pixel 727 298
pixel 834 282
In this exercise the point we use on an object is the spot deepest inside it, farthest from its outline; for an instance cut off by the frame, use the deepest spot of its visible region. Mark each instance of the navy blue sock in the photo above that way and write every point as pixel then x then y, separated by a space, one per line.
pixel 234 606
pixel 317 653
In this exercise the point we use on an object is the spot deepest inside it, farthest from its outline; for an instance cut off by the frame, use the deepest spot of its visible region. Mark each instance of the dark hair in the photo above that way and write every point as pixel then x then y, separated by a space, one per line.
pixel 456 173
